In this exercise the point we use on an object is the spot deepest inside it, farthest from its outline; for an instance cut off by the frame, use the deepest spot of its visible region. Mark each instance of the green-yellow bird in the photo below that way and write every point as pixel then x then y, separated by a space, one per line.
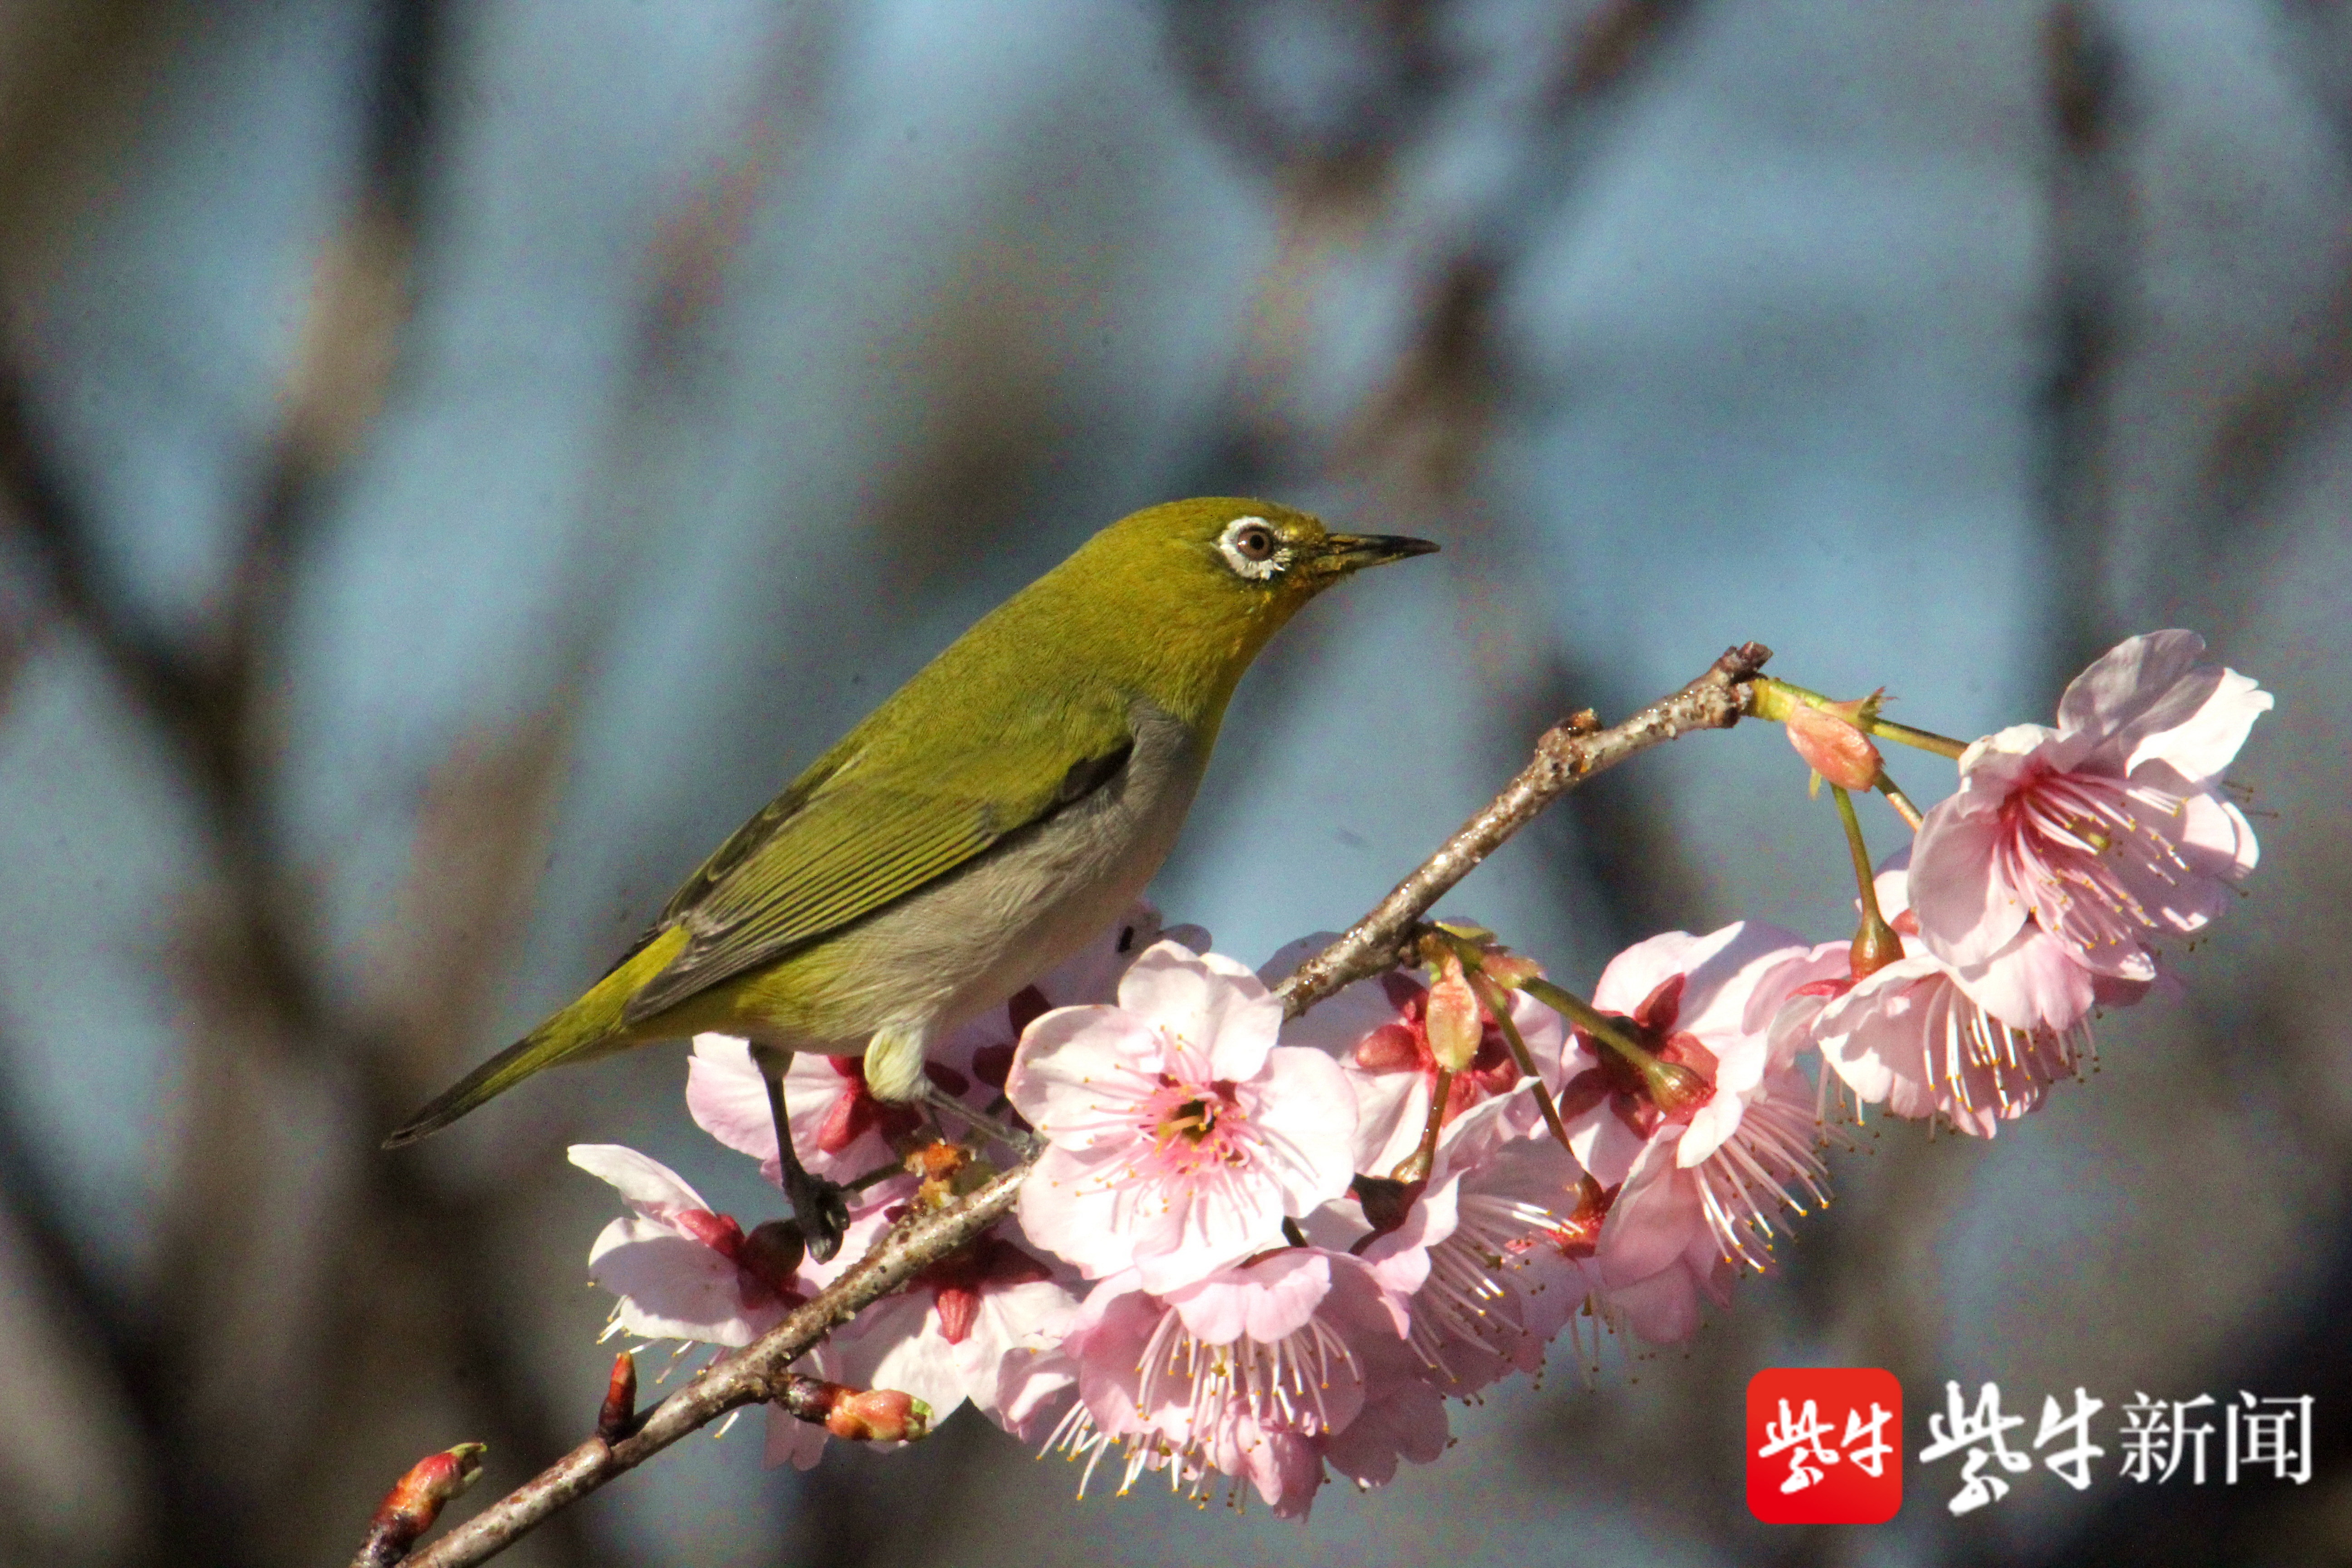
pixel 1002 807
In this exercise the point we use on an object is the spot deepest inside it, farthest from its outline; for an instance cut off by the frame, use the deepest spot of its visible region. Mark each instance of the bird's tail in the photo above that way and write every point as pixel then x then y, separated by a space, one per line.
pixel 589 1028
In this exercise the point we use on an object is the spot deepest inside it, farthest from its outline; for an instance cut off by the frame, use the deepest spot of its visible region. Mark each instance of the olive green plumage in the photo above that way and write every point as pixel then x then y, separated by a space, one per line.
pixel 1001 806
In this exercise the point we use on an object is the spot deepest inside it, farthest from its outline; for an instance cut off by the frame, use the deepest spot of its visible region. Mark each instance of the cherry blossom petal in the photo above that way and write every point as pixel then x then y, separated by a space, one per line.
pixel 2104 834
pixel 649 1186
pixel 1155 1160
pixel 1270 1301
pixel 1205 1004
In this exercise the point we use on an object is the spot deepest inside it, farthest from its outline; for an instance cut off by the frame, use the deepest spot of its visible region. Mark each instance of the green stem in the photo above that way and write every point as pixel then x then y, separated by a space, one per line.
pixel 1600 1026
pixel 1900 802
pixel 1875 946
pixel 1855 845
pixel 1672 1086
pixel 1499 1004
pixel 1773 697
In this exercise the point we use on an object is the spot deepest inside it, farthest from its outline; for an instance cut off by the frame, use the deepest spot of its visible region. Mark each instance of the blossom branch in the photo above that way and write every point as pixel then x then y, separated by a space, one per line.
pixel 753 1376
pixel 1569 753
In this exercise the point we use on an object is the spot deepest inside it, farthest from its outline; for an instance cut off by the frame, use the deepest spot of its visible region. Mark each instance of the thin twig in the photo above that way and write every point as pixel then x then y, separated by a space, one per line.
pixel 1569 753
pixel 748 1378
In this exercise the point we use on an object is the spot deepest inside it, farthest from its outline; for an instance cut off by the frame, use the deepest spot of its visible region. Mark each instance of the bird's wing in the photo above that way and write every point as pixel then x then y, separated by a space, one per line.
pixel 867 825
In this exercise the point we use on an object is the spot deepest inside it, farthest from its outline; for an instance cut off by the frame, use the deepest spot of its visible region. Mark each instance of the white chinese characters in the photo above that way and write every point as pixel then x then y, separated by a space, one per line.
pixel 1803 1438
pixel 2160 1440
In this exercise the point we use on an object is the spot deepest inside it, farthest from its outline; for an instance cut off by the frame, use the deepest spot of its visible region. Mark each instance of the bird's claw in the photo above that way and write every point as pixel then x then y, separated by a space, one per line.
pixel 820 1210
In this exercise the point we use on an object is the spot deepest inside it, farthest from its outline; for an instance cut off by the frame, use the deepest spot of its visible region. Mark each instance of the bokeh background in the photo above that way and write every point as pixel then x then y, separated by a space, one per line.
pixel 458 458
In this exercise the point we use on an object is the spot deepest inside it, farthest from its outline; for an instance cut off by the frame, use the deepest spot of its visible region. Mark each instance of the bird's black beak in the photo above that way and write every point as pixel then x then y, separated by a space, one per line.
pixel 1344 553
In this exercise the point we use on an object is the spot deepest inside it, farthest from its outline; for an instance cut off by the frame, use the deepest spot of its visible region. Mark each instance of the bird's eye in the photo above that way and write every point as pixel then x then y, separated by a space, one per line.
pixel 1253 548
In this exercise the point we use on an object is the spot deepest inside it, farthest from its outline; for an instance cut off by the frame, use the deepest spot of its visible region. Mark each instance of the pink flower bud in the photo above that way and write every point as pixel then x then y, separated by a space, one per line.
pixel 1454 1025
pixel 855 1414
pixel 1510 970
pixel 1833 746
pixel 878 1416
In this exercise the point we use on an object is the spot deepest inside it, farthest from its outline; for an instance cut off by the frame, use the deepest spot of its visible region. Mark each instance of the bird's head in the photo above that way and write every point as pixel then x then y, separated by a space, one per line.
pixel 1197 586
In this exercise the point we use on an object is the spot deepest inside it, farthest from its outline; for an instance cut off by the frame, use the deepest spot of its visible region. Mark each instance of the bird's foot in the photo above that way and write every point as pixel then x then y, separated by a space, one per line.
pixel 820 1209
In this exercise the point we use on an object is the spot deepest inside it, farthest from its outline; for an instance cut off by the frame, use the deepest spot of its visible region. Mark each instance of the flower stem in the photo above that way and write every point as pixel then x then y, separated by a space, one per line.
pixel 1875 946
pixel 1771 698
pixel 1416 1166
pixel 1671 1085
pixel 1900 802
pixel 1500 1006
pixel 1600 1026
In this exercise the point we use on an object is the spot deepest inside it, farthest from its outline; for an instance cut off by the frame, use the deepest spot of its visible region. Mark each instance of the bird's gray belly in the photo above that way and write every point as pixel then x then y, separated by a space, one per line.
pixel 974 937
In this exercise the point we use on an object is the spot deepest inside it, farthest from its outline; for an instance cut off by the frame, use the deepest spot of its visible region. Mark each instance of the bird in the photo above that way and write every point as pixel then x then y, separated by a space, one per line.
pixel 999 809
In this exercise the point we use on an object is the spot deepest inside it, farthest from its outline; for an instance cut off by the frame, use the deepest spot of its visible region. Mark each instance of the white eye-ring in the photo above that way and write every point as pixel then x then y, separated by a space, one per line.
pixel 1253 548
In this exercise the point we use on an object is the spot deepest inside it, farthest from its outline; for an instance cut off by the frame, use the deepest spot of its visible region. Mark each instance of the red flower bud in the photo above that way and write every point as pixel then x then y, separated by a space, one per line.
pixel 1389 1048
pixel 409 1510
pixel 1509 970
pixel 723 1232
pixel 618 1417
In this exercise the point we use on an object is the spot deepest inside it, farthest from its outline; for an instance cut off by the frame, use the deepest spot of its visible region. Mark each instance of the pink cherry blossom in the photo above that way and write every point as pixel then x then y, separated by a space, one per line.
pixel 1557 1275
pixel 1468 1260
pixel 1378 1030
pixel 1689 1203
pixel 1248 1373
pixel 681 1270
pixel 2046 880
pixel 1698 1185
pixel 983 1048
pixel 1694 1001
pixel 1909 1037
pixel 1655 1255
pixel 1178 1135
pixel 840 1129
pixel 969 1327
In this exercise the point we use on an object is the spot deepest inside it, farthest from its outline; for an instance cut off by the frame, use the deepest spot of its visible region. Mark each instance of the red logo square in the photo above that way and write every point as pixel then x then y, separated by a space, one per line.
pixel 1824 1444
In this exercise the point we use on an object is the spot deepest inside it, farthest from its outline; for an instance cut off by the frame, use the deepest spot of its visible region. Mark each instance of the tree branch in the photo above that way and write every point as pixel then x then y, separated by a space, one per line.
pixel 1569 753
